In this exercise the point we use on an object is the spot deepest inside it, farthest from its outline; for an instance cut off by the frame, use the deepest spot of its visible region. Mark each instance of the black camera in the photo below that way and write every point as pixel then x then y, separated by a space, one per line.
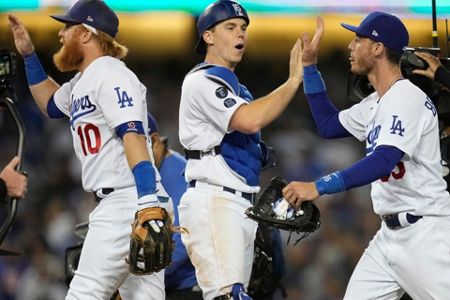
pixel 7 63
pixel 359 87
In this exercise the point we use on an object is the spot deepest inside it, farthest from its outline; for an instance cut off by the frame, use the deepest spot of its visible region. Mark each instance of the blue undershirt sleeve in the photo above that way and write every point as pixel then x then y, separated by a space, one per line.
pixel 325 114
pixel 369 169
pixel 53 111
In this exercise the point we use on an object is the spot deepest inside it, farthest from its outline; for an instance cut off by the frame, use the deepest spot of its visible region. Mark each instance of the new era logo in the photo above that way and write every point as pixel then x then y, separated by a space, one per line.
pixel 374 33
pixel 89 18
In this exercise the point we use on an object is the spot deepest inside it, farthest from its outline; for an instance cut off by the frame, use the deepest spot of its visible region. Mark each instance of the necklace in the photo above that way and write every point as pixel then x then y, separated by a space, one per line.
pixel 394 81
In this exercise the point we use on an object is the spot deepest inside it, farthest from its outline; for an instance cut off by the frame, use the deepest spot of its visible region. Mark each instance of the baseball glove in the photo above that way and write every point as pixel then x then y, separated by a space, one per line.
pixel 151 241
pixel 272 209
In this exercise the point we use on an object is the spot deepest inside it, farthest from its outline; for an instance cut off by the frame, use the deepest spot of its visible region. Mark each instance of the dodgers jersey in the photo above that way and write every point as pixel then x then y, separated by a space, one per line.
pixel 104 96
pixel 406 119
pixel 206 108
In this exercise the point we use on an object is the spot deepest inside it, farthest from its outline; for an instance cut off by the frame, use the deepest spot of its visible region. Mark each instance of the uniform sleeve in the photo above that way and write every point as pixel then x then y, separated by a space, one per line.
pixel 122 98
pixel 62 95
pixel 354 119
pixel 406 118
pixel 214 101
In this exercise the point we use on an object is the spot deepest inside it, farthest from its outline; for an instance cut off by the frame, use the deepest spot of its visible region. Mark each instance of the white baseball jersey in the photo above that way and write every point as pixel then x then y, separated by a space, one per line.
pixel 221 241
pixel 205 111
pixel 406 119
pixel 104 96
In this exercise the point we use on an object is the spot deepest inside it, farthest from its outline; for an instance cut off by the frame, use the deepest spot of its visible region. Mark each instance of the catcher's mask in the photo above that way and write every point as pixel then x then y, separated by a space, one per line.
pixel 215 13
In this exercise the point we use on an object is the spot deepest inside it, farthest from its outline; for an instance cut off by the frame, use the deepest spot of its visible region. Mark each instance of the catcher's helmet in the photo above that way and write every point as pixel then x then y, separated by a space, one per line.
pixel 215 13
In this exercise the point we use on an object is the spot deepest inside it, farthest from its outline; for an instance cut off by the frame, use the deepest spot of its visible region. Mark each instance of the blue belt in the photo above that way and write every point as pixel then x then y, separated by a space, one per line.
pixel 393 222
pixel 249 196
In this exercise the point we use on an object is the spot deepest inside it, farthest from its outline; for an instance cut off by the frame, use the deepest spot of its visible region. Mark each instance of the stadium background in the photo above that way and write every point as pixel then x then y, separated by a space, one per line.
pixel 161 37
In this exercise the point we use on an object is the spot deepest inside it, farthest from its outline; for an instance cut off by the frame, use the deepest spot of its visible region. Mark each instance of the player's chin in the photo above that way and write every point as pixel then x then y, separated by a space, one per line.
pixel 237 56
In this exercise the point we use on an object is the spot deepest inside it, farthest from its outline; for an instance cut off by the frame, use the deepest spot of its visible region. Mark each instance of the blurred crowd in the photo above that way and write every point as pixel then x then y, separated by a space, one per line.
pixel 318 267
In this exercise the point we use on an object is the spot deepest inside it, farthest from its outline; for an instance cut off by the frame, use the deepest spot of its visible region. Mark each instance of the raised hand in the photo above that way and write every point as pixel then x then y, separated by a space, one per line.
pixel 22 39
pixel 432 61
pixel 295 63
pixel 311 47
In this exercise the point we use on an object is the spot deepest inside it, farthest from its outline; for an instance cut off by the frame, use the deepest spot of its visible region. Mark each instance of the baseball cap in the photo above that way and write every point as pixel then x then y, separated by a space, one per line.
pixel 94 13
pixel 216 13
pixel 152 124
pixel 384 28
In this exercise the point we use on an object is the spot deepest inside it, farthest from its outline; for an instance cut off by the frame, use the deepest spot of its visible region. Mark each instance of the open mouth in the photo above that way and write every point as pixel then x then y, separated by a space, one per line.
pixel 239 46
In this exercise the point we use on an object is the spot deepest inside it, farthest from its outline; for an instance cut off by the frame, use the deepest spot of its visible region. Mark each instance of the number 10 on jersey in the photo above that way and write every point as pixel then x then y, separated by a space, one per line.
pixel 90 138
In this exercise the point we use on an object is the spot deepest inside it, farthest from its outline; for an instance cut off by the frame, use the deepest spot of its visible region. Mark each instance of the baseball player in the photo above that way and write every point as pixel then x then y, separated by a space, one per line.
pixel 219 129
pixel 106 106
pixel 179 279
pixel 410 252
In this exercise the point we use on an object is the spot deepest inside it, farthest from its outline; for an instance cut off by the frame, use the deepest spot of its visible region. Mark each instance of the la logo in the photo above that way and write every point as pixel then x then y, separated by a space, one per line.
pixel 123 98
pixel 397 127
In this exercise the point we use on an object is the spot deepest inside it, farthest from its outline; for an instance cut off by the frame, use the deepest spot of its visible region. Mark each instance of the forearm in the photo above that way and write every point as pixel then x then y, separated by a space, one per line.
pixel 42 92
pixel 135 148
pixel 324 113
pixel 143 171
pixel 380 163
pixel 442 76
pixel 259 113
pixel 41 86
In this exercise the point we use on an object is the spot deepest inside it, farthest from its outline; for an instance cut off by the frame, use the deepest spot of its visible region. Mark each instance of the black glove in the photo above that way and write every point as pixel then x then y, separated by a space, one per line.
pixel 306 219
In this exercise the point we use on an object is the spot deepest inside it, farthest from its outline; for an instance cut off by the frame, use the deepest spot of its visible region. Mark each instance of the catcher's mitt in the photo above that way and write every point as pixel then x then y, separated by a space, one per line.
pixel 151 242
pixel 267 210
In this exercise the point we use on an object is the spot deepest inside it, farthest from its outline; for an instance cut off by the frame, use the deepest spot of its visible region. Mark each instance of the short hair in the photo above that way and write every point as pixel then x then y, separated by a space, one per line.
pixel 393 56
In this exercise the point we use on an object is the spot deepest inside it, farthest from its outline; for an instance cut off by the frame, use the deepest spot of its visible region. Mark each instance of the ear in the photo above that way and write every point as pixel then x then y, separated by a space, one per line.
pixel 379 48
pixel 208 37
pixel 86 36
pixel 155 138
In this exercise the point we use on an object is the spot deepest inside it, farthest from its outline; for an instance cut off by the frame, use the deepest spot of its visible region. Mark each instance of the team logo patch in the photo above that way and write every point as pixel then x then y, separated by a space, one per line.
pixel 221 92
pixel 229 102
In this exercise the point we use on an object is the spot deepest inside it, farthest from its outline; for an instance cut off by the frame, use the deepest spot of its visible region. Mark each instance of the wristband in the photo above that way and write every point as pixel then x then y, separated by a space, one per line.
pixel 145 178
pixel 330 184
pixel 33 69
pixel 312 80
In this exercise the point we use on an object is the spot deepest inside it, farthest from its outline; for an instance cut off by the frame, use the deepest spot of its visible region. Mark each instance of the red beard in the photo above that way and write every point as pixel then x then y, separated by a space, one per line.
pixel 69 57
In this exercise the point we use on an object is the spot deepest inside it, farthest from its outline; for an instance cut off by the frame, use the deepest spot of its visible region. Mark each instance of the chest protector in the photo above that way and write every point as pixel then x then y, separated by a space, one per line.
pixel 240 151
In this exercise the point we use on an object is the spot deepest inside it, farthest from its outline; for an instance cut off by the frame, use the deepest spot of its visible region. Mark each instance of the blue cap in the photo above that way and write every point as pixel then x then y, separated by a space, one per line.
pixel 94 13
pixel 384 28
pixel 152 124
pixel 215 13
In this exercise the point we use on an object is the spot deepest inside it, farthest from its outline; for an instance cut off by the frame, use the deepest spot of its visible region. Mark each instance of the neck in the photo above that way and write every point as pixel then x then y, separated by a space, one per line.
pixel 216 60
pixel 90 54
pixel 383 81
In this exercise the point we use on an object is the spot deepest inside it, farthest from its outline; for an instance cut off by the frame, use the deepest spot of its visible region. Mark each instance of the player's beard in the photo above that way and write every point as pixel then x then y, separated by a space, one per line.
pixel 69 57
pixel 362 66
